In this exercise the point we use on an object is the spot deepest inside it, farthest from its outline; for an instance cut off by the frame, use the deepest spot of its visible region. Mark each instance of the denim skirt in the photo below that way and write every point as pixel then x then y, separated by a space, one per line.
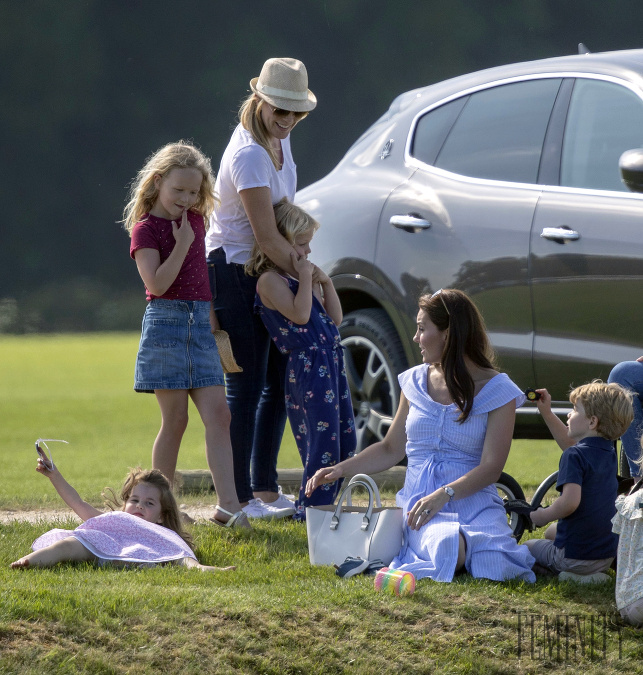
pixel 177 348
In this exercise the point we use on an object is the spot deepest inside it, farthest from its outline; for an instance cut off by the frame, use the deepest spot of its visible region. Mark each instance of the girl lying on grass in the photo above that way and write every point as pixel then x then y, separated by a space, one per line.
pixel 146 530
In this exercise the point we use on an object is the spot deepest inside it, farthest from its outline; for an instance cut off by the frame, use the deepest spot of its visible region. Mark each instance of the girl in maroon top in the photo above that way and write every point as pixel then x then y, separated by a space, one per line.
pixel 170 201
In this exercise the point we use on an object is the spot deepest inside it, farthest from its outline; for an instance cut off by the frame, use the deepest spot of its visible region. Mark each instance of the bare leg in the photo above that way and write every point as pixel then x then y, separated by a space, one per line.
pixel 213 408
pixel 174 421
pixel 65 550
pixel 267 497
pixel 462 554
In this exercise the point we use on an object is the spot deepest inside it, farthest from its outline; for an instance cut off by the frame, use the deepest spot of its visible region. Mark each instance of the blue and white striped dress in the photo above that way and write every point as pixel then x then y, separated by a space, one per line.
pixel 441 450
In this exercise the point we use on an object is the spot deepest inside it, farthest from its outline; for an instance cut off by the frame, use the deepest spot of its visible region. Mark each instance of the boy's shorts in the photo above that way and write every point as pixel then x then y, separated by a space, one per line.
pixel 553 558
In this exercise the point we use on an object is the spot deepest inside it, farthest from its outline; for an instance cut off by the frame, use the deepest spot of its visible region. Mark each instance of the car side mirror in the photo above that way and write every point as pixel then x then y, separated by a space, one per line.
pixel 631 166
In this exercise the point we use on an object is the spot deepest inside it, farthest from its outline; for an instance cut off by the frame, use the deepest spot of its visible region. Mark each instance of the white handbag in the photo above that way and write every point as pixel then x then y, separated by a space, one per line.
pixel 336 532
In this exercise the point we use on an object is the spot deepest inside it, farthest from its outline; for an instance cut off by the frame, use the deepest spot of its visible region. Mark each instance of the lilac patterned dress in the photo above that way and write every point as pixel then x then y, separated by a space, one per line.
pixel 117 535
pixel 440 450
pixel 318 400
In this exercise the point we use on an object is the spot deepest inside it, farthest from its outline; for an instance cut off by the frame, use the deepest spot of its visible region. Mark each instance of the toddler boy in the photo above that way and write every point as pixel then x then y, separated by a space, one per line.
pixel 581 546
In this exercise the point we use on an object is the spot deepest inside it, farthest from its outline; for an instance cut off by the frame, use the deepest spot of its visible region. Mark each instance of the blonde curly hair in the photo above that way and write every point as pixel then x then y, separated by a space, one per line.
pixel 144 192
pixel 291 222
pixel 611 404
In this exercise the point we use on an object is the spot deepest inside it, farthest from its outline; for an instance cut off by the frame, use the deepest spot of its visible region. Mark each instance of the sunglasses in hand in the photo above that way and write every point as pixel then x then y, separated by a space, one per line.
pixel 47 461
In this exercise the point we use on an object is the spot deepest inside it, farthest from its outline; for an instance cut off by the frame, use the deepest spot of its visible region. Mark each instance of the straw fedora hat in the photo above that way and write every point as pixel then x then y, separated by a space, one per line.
pixel 284 84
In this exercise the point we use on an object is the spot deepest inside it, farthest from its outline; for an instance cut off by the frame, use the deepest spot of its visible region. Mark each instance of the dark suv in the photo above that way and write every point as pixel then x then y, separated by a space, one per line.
pixel 504 183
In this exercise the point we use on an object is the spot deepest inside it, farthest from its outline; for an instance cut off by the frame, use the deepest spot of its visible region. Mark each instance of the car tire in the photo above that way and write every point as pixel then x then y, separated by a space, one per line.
pixel 374 356
pixel 509 489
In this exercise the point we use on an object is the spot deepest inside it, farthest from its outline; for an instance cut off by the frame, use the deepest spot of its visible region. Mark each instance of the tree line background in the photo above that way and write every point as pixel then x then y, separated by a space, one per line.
pixel 91 87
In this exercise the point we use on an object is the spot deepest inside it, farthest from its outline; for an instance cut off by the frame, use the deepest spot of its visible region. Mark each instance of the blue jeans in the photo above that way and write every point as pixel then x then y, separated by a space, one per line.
pixel 256 395
pixel 630 375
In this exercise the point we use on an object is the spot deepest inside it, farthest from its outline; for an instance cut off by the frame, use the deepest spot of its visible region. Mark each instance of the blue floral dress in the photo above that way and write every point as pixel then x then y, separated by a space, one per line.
pixel 440 450
pixel 318 400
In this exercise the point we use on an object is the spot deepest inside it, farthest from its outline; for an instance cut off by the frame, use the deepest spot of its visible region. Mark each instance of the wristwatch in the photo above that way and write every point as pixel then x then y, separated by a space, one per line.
pixel 449 491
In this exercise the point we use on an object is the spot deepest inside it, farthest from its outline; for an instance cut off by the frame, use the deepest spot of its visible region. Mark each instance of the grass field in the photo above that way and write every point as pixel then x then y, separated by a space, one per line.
pixel 79 388
pixel 275 614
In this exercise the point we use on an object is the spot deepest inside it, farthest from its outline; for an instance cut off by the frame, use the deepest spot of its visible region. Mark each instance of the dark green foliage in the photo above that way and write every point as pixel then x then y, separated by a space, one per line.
pixel 92 87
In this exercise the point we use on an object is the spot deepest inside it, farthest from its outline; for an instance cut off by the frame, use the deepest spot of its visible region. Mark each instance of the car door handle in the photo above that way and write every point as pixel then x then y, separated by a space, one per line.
pixel 559 234
pixel 410 223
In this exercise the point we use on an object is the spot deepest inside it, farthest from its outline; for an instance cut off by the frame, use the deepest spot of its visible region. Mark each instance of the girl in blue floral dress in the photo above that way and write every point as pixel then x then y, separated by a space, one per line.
pixel 302 318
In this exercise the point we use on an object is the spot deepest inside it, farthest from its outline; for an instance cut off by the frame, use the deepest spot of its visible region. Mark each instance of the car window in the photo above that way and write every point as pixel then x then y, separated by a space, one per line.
pixel 432 129
pixel 399 104
pixel 604 120
pixel 500 131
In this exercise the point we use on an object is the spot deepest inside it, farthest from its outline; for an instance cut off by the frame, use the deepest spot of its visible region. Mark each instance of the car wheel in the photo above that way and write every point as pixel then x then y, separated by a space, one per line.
pixel 374 356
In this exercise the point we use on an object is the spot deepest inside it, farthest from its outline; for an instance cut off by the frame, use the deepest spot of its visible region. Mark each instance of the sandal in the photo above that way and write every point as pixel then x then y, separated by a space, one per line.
pixel 238 519
pixel 351 567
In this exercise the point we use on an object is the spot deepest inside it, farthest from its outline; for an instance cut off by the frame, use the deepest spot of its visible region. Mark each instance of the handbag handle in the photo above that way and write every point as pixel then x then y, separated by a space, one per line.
pixel 366 520
pixel 366 479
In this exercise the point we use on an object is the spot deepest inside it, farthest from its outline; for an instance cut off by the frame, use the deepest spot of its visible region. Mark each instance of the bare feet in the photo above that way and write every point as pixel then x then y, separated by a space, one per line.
pixel 64 550
pixel 266 497
pixel 23 563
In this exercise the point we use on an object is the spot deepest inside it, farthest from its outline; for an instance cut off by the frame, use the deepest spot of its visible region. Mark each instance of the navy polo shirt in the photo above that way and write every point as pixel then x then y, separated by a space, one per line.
pixel 587 533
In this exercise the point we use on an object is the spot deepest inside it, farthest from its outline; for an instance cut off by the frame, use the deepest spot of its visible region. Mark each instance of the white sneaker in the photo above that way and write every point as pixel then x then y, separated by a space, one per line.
pixel 290 497
pixel 597 578
pixel 283 501
pixel 259 509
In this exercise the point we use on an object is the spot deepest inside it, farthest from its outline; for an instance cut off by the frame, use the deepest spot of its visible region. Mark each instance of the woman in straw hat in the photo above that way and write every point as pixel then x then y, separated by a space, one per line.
pixel 257 171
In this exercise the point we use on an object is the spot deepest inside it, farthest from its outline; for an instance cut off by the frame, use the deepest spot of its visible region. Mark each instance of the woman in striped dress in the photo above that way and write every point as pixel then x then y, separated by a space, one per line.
pixel 454 423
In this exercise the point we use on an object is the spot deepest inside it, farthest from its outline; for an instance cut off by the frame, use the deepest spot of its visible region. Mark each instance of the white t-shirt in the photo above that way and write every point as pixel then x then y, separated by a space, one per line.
pixel 245 164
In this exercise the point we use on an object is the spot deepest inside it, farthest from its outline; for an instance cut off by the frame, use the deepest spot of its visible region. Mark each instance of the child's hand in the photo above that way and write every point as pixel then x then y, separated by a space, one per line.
pixel 539 517
pixel 46 468
pixel 544 402
pixel 319 276
pixel 193 564
pixel 302 265
pixel 184 235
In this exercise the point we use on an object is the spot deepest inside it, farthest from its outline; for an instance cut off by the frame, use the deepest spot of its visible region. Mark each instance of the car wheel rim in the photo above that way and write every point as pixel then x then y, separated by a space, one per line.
pixel 371 381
